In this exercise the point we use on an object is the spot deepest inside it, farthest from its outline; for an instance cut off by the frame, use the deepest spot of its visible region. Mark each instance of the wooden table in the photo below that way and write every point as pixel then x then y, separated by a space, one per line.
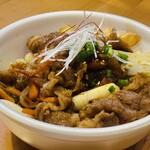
pixel 13 10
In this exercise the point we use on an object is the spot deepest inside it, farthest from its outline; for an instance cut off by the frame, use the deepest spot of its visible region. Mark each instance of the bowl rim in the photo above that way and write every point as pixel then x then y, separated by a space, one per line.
pixel 82 132
pixel 70 12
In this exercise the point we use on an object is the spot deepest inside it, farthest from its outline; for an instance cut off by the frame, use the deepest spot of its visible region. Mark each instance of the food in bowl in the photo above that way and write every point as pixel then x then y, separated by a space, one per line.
pixel 80 76
pixel 49 136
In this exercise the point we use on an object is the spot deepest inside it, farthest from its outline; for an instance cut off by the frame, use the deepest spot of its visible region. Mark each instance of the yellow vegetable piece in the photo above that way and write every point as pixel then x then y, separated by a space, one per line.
pixel 28 111
pixel 64 29
pixel 4 95
pixel 138 62
pixel 13 91
pixel 49 99
pixel 108 31
pixel 130 38
pixel 29 57
pixel 100 92
pixel 33 91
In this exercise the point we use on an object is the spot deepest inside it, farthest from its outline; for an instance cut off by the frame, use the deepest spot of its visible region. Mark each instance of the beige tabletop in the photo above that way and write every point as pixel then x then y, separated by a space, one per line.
pixel 13 10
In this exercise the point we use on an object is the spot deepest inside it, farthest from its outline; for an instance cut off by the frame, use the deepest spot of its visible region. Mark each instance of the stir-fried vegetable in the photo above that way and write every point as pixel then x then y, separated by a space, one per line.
pixel 4 95
pixel 49 99
pixel 28 111
pixel 79 71
pixel 13 90
pixel 33 90
pixel 86 52
pixel 100 92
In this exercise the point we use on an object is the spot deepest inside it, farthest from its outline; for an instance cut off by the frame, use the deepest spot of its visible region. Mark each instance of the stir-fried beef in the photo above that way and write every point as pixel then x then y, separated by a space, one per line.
pixel 120 103
pixel 102 119
pixel 47 88
pixel 113 64
pixel 121 107
pixel 139 82
pixel 82 69
pixel 120 45
pixel 62 118
pixel 63 68
pixel 69 78
pixel 44 113
pixel 127 105
pixel 38 43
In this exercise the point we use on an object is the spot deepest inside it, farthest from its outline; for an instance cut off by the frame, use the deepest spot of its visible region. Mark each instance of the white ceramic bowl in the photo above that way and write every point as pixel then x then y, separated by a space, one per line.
pixel 51 137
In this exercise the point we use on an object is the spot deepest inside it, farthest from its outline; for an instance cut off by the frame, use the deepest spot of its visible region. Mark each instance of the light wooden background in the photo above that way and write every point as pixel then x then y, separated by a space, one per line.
pixel 13 10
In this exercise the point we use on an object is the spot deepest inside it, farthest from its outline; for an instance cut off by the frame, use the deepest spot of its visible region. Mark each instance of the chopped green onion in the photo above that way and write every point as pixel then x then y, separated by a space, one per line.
pixel 108 51
pixel 123 82
pixel 89 45
pixel 105 49
pixel 111 89
pixel 86 52
pixel 108 73
pixel 123 56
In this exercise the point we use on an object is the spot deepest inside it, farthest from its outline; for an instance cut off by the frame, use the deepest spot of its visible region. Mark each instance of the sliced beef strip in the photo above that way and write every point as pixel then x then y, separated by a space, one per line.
pixel 89 123
pixel 47 88
pixel 128 98
pixel 38 44
pixel 81 70
pixel 108 119
pixel 68 75
pixel 137 82
pixel 69 78
pixel 45 113
pixel 121 107
pixel 113 64
pixel 124 103
pixel 102 119
pixel 62 118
